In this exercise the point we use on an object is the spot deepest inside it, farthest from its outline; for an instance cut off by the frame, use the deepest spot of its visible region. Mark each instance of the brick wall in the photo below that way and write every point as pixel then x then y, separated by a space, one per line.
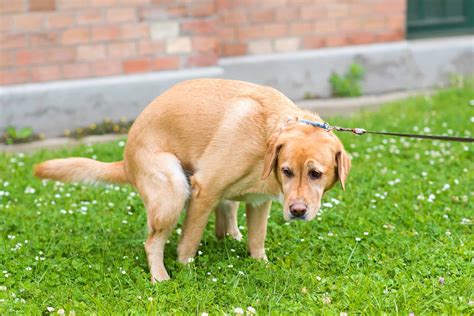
pixel 45 40
pixel 256 27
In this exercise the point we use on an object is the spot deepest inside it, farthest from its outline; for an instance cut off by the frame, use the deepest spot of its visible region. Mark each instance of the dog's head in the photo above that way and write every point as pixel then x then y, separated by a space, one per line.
pixel 307 161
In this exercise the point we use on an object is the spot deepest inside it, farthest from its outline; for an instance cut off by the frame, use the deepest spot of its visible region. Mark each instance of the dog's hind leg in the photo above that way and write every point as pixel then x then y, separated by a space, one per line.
pixel 226 220
pixel 164 189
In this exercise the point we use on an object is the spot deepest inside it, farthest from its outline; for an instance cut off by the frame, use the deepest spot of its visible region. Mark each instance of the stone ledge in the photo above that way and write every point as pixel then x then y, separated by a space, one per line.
pixel 324 107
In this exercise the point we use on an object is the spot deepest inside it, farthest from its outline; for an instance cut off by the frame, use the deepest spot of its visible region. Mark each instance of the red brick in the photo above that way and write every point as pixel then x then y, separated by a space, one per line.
pixel 233 49
pixel 165 63
pixel 337 10
pixel 200 26
pixel 201 8
pixel 202 60
pixel 7 59
pixel 43 39
pixel 74 71
pixel 103 3
pixel 350 24
pixel 106 68
pixel 89 17
pixel 261 16
pixel 45 73
pixel 204 44
pixel 390 36
pixel 152 14
pixel 29 22
pixel 233 18
pixel 121 15
pixel 105 33
pixel 177 11
pixel 225 4
pixel 12 6
pixel 72 4
pixel 61 54
pixel 313 12
pixel 42 5
pixel 361 38
pixel 61 20
pixel 285 14
pixel 312 42
pixel 6 24
pixel 226 34
pixel 336 41
pixel 389 7
pixel 91 52
pixel 30 57
pixel 135 31
pixel 301 28
pixel 251 32
pixel 14 76
pixel 275 30
pixel 325 27
pixel 136 65
pixel 395 21
pixel 121 50
pixel 11 41
pixel 75 36
pixel 147 47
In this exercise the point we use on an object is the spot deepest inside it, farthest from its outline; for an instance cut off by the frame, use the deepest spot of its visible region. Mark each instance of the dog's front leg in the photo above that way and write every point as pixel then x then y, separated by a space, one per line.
pixel 200 206
pixel 257 217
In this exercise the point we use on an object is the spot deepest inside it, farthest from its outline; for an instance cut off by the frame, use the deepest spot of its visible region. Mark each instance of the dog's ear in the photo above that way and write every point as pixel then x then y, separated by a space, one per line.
pixel 343 166
pixel 271 155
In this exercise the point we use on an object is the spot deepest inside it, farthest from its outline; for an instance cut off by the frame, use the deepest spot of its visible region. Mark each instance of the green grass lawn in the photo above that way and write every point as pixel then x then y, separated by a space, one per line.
pixel 399 240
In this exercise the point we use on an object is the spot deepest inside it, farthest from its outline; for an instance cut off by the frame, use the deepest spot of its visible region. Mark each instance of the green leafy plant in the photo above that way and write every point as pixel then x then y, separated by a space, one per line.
pixel 13 135
pixel 107 126
pixel 349 84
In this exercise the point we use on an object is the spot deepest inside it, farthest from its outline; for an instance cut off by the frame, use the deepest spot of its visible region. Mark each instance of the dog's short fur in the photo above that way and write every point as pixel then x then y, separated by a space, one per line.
pixel 211 143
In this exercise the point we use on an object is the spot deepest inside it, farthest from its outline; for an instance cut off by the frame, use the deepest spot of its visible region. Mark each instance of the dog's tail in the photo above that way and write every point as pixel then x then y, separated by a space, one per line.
pixel 83 170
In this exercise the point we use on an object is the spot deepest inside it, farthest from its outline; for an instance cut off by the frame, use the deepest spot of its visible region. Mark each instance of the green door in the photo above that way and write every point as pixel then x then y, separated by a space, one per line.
pixel 439 17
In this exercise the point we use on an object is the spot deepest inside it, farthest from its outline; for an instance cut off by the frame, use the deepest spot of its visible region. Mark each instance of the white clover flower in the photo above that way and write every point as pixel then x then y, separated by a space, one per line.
pixel 366 233
pixel 204 314
pixel 358 239
pixel 29 190
pixel 238 310
pixel 150 299
pixel 50 309
pixel 326 300
pixel 251 310
pixel 3 288
pixel 190 260
pixel 318 278
pixel 214 279
pixel 61 311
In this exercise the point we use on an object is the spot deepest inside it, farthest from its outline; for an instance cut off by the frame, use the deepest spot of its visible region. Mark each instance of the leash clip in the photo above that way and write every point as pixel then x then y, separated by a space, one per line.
pixel 358 131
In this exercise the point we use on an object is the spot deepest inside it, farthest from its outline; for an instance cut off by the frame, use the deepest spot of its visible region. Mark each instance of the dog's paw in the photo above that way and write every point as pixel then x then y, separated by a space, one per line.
pixel 260 255
pixel 185 260
pixel 236 235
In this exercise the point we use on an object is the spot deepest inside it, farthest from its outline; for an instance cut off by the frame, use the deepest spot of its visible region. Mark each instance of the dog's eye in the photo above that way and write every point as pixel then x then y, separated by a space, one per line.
pixel 314 174
pixel 287 172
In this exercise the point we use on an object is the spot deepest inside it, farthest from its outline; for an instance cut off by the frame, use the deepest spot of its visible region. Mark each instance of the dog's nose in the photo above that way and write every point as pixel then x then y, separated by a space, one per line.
pixel 298 209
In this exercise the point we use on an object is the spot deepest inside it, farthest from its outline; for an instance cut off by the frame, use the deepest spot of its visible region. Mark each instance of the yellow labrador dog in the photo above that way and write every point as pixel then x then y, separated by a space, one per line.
pixel 207 144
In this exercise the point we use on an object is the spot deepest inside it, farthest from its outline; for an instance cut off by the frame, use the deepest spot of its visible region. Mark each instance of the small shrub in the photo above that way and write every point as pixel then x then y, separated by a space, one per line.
pixel 107 126
pixel 349 84
pixel 13 135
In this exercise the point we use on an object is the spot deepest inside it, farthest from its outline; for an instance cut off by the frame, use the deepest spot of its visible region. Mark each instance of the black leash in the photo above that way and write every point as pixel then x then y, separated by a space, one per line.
pixel 361 131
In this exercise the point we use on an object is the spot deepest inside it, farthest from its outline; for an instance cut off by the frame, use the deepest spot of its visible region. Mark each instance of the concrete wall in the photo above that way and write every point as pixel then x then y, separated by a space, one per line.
pixel 51 108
